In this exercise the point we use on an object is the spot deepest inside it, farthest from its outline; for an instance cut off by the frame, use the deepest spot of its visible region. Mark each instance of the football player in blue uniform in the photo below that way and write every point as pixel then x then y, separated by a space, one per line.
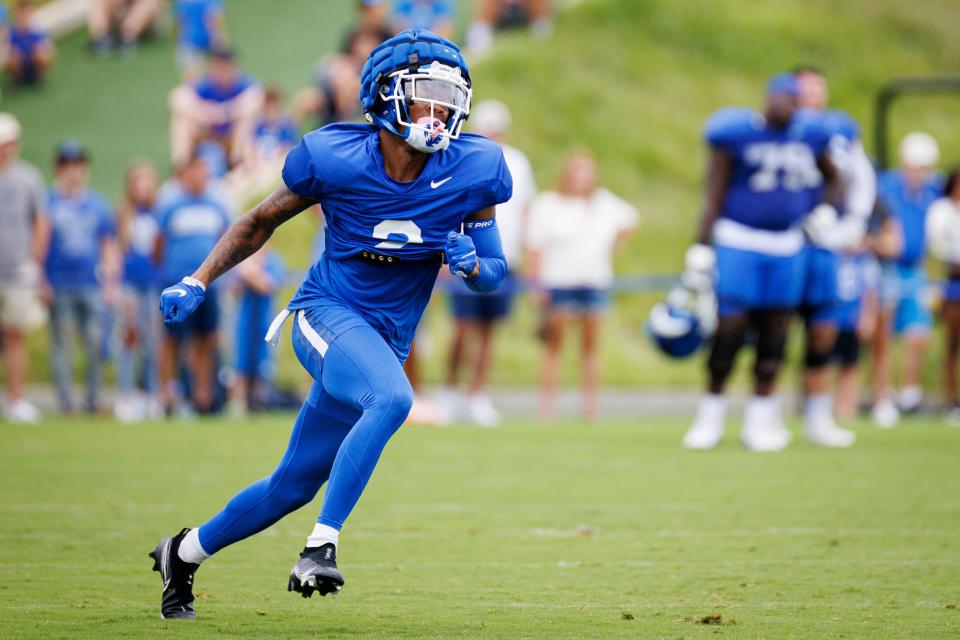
pixel 828 235
pixel 399 195
pixel 763 171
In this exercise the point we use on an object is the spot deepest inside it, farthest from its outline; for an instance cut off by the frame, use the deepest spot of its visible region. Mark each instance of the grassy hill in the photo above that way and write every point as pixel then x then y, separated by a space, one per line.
pixel 632 80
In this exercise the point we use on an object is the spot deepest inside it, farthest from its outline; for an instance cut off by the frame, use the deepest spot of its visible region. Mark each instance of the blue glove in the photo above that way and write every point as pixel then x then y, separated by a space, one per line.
pixel 180 300
pixel 461 254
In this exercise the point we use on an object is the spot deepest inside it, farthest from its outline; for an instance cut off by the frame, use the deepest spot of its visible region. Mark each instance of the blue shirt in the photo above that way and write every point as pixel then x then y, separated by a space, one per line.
pixel 193 21
pixel 78 225
pixel 341 167
pixel 272 137
pixel 421 14
pixel 210 91
pixel 139 269
pixel 909 208
pixel 775 177
pixel 190 226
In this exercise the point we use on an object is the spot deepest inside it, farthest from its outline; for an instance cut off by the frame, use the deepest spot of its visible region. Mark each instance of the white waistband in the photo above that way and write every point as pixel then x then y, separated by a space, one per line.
pixel 732 234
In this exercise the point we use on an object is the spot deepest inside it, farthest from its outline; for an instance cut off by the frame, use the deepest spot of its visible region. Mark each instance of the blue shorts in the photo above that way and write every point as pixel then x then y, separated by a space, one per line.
pixel 907 283
pixel 580 300
pixel 253 353
pixel 203 321
pixel 951 290
pixel 748 280
pixel 482 307
pixel 820 297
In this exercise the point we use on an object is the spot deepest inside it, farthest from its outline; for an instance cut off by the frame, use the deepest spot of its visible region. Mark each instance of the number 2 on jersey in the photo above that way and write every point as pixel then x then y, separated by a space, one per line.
pixel 389 230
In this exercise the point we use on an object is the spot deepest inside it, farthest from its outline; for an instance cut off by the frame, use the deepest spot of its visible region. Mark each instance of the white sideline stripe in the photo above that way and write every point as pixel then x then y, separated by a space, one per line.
pixel 729 233
pixel 312 336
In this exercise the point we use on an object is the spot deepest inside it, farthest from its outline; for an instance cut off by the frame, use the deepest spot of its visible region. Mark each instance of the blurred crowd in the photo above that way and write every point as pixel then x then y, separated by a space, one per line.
pixel 92 269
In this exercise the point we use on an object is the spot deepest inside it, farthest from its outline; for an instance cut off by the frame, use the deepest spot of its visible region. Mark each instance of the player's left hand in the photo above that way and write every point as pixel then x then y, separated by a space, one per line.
pixel 461 255
pixel 180 300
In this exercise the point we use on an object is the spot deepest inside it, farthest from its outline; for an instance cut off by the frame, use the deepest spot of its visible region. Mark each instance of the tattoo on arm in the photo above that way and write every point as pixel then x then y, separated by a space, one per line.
pixel 250 232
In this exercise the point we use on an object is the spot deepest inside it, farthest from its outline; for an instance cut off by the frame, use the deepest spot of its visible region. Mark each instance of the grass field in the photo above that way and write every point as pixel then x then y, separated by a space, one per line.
pixel 599 531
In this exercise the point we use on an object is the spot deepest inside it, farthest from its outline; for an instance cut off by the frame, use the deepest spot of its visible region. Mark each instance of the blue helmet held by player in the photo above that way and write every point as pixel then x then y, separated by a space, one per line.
pixel 417 66
pixel 687 318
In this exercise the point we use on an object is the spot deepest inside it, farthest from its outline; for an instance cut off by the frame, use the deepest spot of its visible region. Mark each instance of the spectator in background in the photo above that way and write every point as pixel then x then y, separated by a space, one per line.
pixel 261 277
pixel 433 15
pixel 943 236
pixel 31 51
pixel 189 226
pixel 137 232
pixel 335 94
pixel 82 267
pixel 372 19
pixel 23 237
pixel 495 15
pixel 220 107
pixel 201 29
pixel 124 22
pixel 907 194
pixel 572 236
pixel 858 291
pixel 4 35
pixel 477 314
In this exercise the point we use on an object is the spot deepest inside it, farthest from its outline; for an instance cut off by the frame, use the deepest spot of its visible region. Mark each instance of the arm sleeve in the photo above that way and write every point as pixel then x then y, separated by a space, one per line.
pixel 493 264
pixel 300 172
pixel 862 184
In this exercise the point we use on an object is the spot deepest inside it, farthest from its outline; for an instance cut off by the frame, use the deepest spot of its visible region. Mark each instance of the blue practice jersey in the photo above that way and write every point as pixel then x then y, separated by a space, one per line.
pixel 78 226
pixel 775 174
pixel 341 167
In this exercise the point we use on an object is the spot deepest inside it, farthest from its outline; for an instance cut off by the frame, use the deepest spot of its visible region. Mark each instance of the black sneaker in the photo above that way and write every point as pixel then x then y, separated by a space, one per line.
pixel 177 575
pixel 316 571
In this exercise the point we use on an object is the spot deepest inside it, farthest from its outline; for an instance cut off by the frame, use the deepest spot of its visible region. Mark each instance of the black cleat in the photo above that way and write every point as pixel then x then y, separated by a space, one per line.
pixel 316 571
pixel 177 575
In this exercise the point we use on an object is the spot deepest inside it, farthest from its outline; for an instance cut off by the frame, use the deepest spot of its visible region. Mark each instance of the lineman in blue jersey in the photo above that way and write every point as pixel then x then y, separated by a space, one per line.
pixel 763 173
pixel 829 235
pixel 396 195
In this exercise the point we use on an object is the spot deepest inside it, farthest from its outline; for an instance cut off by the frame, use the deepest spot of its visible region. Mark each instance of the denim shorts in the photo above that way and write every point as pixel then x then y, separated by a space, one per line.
pixel 580 300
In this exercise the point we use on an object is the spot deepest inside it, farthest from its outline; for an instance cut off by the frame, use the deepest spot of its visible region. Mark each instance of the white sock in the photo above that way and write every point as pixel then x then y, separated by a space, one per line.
pixel 818 405
pixel 322 534
pixel 713 408
pixel 763 410
pixel 190 549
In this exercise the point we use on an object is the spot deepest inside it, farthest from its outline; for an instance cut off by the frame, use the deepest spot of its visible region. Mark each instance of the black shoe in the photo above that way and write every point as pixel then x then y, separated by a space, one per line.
pixel 316 571
pixel 177 575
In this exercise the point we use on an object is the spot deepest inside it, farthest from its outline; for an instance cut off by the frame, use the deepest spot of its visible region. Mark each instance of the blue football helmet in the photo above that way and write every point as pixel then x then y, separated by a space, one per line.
pixel 417 66
pixel 683 322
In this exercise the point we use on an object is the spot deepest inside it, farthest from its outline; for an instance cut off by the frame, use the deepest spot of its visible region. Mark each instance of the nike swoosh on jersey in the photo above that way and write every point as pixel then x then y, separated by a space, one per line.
pixel 440 183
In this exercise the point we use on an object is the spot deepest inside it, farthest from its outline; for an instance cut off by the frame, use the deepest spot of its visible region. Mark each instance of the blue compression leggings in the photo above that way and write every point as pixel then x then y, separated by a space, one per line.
pixel 358 369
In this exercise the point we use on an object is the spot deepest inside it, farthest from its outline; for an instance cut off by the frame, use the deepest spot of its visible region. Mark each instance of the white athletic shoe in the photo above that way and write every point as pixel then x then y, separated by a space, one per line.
pixel 885 414
pixel 763 427
pixel 481 412
pixel 22 411
pixel 450 402
pixel 825 432
pixel 952 417
pixel 909 399
pixel 707 429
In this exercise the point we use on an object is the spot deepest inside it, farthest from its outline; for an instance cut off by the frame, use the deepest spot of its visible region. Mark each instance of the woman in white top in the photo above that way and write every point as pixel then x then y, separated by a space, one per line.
pixel 572 235
pixel 943 238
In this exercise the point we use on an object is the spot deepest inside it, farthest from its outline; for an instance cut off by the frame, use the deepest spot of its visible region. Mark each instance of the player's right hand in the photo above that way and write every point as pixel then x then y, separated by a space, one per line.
pixel 180 300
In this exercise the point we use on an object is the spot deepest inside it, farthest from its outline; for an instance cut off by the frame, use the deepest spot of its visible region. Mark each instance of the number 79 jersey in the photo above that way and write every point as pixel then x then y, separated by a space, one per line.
pixel 341 167
pixel 775 179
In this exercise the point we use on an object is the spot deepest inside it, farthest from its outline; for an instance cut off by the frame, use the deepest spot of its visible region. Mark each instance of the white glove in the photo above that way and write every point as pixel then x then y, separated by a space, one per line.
pixel 700 263
pixel 822 226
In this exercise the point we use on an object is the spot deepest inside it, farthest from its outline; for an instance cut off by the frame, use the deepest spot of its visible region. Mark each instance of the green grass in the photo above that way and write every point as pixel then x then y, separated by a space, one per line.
pixel 481 534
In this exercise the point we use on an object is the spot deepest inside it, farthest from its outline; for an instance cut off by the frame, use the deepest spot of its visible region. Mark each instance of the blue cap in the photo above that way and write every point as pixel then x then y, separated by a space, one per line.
pixel 71 151
pixel 783 83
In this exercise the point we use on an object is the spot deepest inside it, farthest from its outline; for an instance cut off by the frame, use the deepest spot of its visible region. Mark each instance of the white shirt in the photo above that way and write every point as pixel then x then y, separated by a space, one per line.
pixel 943 230
pixel 510 214
pixel 576 237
